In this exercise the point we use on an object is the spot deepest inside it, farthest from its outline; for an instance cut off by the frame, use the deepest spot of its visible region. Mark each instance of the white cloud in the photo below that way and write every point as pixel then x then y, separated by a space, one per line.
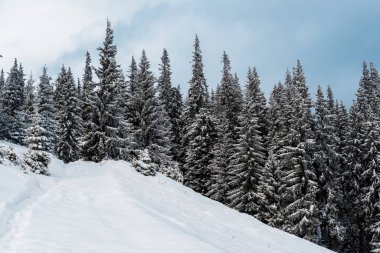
pixel 42 31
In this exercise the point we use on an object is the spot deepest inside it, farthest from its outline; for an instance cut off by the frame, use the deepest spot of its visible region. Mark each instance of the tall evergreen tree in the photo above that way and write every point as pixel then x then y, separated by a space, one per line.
pixel 104 140
pixel 327 163
pixel 202 136
pixel 271 183
pixel 228 96
pixel 59 94
pixel 218 186
pixel 176 121
pixel 29 106
pixel 87 92
pixel 69 127
pixel 125 133
pixel 109 74
pixel 133 103
pixel 197 97
pixel 297 187
pixel 90 119
pixel 171 101
pixel 12 104
pixel 253 93
pixel 343 131
pixel 151 132
pixel 228 107
pixel 13 96
pixel 246 191
pixel 272 171
pixel 38 142
pixel 46 110
pixel 363 160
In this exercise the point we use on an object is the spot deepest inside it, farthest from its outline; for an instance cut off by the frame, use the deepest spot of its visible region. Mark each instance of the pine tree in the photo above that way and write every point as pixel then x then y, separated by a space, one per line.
pixel 164 82
pixel 254 93
pixel 46 110
pixel 197 98
pixel 271 213
pixel 239 94
pixel 218 186
pixel 171 101
pixel 354 164
pixel 125 134
pixel 363 162
pixel 13 96
pixel 151 132
pixel 29 106
pixel 12 102
pixel 38 142
pixel 247 166
pixel 197 95
pixel 79 89
pixel 176 121
pixel 228 96
pixel 272 172
pixel 87 93
pixel 90 119
pixel 228 107
pixel 298 186
pixel 202 135
pixel 69 127
pixel 246 191
pixel 327 164
pixel 276 117
pixel 59 95
pixel 79 94
pixel 374 193
pixel 343 130
pixel 2 80
pixel 104 140
pixel 133 103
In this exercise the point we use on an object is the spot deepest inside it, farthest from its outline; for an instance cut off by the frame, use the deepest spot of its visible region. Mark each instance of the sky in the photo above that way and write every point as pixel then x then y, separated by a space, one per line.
pixel 330 38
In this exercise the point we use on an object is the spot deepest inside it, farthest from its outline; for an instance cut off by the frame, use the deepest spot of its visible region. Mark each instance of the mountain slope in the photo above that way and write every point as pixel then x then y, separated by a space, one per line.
pixel 108 207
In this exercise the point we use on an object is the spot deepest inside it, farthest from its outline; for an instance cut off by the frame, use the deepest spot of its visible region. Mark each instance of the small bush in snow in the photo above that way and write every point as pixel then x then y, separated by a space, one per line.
pixel 37 161
pixel 144 164
pixel 10 155
pixel 172 170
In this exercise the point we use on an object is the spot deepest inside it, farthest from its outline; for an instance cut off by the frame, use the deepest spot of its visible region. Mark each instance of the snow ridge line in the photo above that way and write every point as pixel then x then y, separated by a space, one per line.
pixel 15 215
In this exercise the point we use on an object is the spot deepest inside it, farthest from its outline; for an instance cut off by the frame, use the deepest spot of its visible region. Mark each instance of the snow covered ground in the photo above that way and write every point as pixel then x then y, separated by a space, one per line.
pixel 108 207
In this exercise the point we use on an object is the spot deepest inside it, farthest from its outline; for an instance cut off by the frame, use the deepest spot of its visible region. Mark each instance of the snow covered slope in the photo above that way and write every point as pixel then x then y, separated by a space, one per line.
pixel 108 207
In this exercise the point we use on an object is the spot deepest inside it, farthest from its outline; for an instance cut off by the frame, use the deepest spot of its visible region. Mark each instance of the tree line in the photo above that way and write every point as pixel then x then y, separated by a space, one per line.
pixel 310 168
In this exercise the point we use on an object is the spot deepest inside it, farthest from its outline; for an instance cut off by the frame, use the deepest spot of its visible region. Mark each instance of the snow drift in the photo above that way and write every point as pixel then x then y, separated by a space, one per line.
pixel 109 207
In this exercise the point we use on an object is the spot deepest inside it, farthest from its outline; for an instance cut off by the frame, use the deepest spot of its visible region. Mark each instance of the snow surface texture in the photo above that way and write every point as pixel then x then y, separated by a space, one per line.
pixel 109 207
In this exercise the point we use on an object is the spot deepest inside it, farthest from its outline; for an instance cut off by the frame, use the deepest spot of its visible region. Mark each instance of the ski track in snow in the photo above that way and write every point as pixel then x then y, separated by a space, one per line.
pixel 15 215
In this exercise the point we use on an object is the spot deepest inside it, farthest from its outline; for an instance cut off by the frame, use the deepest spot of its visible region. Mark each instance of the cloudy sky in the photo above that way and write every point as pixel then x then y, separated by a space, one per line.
pixel 331 38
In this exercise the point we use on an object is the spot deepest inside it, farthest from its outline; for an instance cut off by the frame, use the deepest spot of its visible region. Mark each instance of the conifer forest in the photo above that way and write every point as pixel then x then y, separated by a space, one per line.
pixel 310 167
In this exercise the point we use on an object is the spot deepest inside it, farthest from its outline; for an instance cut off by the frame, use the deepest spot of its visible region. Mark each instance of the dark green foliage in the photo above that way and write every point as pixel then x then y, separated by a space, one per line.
pixel 153 124
pixel 103 141
pixel 196 100
pixel 12 102
pixel 36 158
pixel 202 136
pixel 247 166
pixel 69 120
pixel 171 101
pixel 45 109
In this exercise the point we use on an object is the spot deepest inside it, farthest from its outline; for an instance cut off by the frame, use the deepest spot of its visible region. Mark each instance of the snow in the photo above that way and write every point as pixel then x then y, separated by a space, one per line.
pixel 109 207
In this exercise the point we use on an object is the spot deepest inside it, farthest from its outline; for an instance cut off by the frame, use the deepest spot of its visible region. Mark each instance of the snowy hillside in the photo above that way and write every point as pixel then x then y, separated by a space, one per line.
pixel 108 207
